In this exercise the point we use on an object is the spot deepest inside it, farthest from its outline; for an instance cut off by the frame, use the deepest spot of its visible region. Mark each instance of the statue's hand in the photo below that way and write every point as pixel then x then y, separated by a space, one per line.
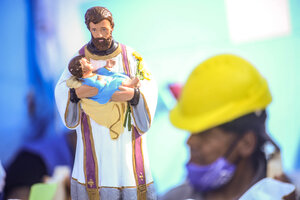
pixel 86 91
pixel 125 94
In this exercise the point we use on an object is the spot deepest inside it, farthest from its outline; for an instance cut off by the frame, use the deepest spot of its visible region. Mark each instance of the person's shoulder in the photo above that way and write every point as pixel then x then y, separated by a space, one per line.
pixel 183 191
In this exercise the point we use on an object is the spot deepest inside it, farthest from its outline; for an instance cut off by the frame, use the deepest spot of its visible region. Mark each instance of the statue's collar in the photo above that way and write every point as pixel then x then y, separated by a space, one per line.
pixel 93 50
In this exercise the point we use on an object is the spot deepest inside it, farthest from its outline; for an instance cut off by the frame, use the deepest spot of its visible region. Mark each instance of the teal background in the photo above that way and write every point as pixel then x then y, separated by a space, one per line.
pixel 173 37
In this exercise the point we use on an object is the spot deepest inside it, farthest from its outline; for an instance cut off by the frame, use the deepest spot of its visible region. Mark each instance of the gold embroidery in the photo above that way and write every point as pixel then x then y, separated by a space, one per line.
pixel 133 156
pixel 91 183
pixel 141 176
pixel 142 187
pixel 142 192
pixel 93 150
pixel 93 193
pixel 89 55
pixel 142 154
pixel 84 153
pixel 120 188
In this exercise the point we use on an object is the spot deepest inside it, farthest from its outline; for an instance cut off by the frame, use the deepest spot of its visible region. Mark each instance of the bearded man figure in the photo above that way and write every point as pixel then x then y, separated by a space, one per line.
pixel 105 167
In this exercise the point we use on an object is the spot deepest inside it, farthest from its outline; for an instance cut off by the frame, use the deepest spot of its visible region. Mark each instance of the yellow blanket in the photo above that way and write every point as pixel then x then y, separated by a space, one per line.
pixel 110 115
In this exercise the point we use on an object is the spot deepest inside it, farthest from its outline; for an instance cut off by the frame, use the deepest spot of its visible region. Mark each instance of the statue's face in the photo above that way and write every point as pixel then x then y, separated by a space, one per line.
pixel 101 34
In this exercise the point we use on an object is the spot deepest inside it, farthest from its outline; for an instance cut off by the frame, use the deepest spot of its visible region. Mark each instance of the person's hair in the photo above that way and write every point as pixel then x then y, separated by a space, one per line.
pixel 75 67
pixel 254 122
pixel 97 14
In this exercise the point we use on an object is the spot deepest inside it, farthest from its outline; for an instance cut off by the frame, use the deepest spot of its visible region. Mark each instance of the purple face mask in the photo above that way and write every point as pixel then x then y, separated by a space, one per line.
pixel 209 177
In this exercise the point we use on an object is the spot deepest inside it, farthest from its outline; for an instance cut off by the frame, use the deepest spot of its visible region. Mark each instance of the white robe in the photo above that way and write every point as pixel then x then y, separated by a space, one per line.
pixel 114 157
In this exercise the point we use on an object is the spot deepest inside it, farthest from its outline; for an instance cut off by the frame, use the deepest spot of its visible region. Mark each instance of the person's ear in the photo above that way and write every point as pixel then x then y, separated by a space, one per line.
pixel 247 144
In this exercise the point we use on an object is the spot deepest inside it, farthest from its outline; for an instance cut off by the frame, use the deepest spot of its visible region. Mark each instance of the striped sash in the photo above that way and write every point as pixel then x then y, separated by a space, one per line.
pixel 137 151
pixel 90 159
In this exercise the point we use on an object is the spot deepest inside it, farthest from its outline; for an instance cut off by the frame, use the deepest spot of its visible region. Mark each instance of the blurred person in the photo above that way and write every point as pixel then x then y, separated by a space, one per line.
pixel 2 180
pixel 56 187
pixel 37 160
pixel 105 167
pixel 223 106
pixel 39 155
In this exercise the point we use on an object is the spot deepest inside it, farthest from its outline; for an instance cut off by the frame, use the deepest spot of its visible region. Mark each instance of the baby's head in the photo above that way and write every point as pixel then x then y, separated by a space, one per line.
pixel 75 67
pixel 79 65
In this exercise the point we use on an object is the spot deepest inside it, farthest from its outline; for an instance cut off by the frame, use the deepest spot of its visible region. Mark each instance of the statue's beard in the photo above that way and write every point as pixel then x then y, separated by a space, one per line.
pixel 102 44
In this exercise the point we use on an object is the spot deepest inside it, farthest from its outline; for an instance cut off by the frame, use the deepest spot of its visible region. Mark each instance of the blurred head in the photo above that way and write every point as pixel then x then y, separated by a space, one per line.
pixel 238 139
pixel 100 23
pixel 79 65
pixel 223 106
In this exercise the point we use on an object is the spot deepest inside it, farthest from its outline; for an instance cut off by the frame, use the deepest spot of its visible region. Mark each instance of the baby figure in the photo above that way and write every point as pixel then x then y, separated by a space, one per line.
pixel 106 81
pixel 107 113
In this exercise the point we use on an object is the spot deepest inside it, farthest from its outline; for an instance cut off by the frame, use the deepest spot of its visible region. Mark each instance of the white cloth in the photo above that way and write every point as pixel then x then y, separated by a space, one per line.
pixel 114 157
pixel 268 189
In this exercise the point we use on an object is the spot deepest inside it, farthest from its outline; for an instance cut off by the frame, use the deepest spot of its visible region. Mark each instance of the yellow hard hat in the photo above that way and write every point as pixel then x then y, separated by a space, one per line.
pixel 219 90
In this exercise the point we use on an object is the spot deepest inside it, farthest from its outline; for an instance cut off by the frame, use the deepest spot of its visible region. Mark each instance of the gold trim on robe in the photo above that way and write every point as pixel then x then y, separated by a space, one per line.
pixel 119 188
pixel 89 55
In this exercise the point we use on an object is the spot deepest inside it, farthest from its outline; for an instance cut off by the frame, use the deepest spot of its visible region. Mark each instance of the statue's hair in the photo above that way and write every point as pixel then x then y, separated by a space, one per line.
pixel 97 14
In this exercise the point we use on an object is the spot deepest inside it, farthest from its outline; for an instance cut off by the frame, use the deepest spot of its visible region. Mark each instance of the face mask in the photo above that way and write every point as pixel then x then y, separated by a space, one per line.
pixel 210 177
pixel 205 178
